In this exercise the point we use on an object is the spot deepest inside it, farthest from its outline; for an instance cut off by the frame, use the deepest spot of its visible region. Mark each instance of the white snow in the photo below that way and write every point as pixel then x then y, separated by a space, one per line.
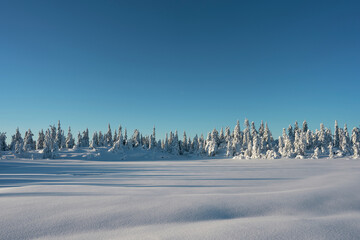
pixel 183 199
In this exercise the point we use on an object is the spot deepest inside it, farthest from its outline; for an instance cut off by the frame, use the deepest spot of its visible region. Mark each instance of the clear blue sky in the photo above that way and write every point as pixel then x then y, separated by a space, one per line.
pixel 185 65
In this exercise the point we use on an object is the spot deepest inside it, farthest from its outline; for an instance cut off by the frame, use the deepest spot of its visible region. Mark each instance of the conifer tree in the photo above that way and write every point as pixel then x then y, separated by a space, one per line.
pixel 59 136
pixel 28 141
pixel 40 140
pixel 3 146
pixel 16 138
pixel 305 127
pixel 95 140
pixel 69 142
pixel 336 135
pixel 261 129
pixel 108 137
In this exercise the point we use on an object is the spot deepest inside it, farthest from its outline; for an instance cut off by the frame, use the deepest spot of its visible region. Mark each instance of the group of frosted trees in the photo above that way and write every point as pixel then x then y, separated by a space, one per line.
pixel 252 142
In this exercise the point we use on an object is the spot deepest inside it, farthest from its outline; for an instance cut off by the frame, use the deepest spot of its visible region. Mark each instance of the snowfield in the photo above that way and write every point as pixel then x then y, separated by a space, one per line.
pixel 182 199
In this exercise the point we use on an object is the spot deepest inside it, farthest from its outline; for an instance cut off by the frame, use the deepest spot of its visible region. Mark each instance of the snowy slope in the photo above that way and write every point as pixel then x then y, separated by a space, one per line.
pixel 184 199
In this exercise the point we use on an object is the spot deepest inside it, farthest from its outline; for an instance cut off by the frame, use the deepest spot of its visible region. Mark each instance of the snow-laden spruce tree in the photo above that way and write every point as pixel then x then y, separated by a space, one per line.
pixel 236 139
pixel 152 141
pixel 336 135
pixel 70 141
pixel 305 127
pixel 255 152
pixel 296 127
pixel 331 152
pixel 345 141
pixel 101 140
pixel 40 140
pixel 175 147
pixel 355 148
pixel 261 129
pixel 355 135
pixel 211 145
pixel 222 137
pixel 79 140
pixel 195 145
pixel 115 138
pixel 3 146
pixel 85 138
pixel 299 145
pixel 228 134
pixel 136 140
pixel 108 137
pixel 201 143
pixel 246 134
pixel 184 144
pixel 59 136
pixel 19 147
pixel 50 147
pixel 119 144
pixel 29 144
pixel 95 140
pixel 16 138
pixel 253 129
pixel 291 134
pixel 267 140
pixel 288 148
pixel 229 149
pixel 281 145
pixel 316 153
pixel 308 139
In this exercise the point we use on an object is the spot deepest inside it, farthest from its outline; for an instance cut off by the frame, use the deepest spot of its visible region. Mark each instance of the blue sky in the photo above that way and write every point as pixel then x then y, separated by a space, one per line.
pixel 185 65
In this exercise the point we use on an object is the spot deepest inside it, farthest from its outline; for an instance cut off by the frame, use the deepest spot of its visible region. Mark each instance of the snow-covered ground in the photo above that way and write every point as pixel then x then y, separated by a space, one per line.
pixel 183 199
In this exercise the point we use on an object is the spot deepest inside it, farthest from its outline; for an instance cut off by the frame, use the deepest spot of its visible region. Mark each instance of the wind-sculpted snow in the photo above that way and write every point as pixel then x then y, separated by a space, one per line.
pixel 197 199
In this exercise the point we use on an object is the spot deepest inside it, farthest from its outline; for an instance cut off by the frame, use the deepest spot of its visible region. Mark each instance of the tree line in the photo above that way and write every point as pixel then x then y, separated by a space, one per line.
pixel 252 142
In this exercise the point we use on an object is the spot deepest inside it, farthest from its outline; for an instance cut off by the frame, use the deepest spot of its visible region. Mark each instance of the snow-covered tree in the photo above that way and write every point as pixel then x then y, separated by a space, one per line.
pixel 95 140
pixel 291 134
pixel 115 136
pixel 316 153
pixel 253 129
pixel 267 139
pixel 69 142
pixel 305 127
pixel 28 141
pixel 336 135
pixel 108 137
pixel 3 141
pixel 152 143
pixel 101 140
pixel 211 146
pixel 59 136
pixel 136 140
pixel 299 144
pixel 356 150
pixel 50 147
pixel 331 153
pixel 40 140
pixel 215 137
pixel 16 138
pixel 79 140
pixel 19 147
pixel 85 138
pixel 255 152
pixel 296 127
pixel 261 129
pixel 229 149
pixel 345 141
pixel 184 144
pixel 195 145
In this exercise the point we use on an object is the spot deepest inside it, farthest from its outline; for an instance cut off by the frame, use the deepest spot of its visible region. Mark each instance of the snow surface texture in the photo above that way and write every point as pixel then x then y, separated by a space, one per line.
pixel 193 199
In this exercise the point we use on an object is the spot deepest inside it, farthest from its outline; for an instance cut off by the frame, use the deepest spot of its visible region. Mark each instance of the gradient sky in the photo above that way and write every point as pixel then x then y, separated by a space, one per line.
pixel 185 65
